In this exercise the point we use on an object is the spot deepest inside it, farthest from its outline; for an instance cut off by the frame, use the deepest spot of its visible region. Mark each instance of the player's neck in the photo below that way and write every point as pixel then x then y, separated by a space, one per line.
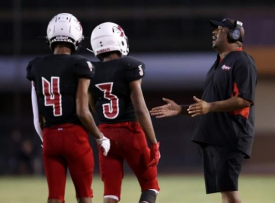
pixel 62 50
pixel 112 56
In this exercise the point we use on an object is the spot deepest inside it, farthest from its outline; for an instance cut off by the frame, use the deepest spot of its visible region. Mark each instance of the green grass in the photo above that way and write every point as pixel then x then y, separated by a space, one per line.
pixel 174 189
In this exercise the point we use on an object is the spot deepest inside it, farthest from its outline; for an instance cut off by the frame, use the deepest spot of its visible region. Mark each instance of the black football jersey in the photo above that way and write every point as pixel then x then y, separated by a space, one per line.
pixel 56 80
pixel 110 88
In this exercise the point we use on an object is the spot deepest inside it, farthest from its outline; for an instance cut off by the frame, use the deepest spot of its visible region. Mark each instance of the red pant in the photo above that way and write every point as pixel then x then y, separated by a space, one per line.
pixel 128 143
pixel 67 146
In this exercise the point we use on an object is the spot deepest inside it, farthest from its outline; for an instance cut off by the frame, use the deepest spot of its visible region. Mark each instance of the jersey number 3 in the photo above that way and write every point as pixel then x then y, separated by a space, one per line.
pixel 52 96
pixel 110 110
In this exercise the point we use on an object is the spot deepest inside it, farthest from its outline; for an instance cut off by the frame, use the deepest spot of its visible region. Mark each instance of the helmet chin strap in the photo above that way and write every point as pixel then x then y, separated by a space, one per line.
pixel 90 50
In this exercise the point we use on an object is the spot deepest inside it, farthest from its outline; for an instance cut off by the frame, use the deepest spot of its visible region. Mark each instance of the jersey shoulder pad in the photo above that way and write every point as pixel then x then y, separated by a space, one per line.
pixel 79 57
pixel 37 59
pixel 30 66
pixel 131 62
pixel 84 67
pixel 134 68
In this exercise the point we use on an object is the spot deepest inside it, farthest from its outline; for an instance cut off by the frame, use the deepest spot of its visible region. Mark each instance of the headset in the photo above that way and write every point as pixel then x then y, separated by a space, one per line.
pixel 234 34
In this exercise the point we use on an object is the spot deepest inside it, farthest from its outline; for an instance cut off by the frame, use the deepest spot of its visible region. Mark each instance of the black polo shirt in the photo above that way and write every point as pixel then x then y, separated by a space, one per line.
pixel 235 75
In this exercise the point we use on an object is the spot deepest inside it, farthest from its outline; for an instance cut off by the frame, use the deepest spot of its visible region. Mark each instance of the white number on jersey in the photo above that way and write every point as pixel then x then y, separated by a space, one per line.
pixel 52 96
pixel 111 109
pixel 140 70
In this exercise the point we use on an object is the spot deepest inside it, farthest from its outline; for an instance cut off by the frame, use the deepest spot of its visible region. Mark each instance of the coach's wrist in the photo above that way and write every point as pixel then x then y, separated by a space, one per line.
pixel 183 109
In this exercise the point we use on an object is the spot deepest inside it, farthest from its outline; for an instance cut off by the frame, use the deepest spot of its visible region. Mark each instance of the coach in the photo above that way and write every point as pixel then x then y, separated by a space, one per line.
pixel 225 126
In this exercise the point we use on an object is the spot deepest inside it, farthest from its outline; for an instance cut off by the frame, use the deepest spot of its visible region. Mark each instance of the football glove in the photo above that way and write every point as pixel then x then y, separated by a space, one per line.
pixel 105 144
pixel 154 155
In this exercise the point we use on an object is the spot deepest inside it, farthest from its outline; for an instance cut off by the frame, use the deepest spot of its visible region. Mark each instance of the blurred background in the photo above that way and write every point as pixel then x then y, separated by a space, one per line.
pixel 173 38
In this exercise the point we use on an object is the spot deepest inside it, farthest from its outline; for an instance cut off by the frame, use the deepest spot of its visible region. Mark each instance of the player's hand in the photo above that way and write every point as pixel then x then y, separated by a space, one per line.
pixel 199 108
pixel 104 142
pixel 154 155
pixel 170 109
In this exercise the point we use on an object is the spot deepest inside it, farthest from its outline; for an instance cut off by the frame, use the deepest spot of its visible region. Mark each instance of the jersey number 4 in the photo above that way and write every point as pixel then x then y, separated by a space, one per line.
pixel 52 96
pixel 110 110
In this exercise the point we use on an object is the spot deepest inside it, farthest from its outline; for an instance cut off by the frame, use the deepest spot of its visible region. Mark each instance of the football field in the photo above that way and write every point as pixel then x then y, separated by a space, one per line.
pixel 174 189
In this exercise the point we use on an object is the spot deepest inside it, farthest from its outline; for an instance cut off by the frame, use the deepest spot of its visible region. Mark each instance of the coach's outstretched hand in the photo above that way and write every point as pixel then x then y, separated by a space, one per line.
pixel 104 142
pixel 167 110
pixel 154 155
pixel 199 108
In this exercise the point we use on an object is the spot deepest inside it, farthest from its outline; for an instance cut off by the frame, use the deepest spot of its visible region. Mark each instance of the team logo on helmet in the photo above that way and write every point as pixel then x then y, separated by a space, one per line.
pixel 118 29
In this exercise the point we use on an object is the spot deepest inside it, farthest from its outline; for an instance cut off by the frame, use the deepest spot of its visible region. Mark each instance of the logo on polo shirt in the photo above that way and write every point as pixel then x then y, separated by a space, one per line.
pixel 226 68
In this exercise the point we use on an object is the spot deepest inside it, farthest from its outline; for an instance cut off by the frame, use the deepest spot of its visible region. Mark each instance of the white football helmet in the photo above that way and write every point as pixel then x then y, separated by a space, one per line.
pixel 108 37
pixel 64 27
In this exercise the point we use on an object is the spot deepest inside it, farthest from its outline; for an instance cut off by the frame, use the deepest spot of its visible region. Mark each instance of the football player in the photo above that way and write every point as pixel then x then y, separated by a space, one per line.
pixel 117 99
pixel 60 103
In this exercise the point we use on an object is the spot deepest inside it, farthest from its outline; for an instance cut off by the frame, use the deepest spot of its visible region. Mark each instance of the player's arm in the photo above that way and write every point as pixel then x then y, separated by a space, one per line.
pixel 36 117
pixel 38 125
pixel 82 108
pixel 92 103
pixel 84 114
pixel 144 119
pixel 203 107
pixel 170 109
pixel 141 110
